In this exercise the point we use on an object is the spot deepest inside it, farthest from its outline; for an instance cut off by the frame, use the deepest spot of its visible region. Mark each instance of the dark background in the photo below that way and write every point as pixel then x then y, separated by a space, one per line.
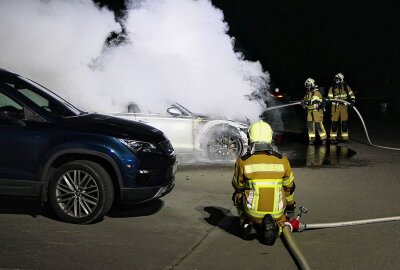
pixel 295 40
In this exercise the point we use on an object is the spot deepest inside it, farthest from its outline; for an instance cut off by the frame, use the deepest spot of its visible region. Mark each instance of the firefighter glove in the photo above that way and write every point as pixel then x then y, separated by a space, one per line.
pixel 289 211
pixel 237 198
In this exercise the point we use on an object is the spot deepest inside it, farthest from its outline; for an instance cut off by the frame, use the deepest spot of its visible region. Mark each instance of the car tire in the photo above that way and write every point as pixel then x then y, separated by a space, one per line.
pixel 223 143
pixel 81 192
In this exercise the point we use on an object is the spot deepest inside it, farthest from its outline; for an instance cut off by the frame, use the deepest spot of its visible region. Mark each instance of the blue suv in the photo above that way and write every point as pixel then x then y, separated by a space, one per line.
pixel 78 162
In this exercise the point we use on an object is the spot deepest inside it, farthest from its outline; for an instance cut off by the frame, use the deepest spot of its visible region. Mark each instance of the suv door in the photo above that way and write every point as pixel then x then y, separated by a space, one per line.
pixel 18 149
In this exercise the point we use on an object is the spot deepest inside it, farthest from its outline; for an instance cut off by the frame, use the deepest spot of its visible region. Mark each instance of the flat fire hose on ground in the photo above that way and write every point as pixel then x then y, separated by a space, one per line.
pixel 344 102
pixel 301 260
pixel 287 232
pixel 349 223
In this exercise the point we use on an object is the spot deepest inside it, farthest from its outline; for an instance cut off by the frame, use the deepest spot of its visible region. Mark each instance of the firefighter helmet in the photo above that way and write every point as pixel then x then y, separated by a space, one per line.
pixel 260 132
pixel 309 83
pixel 339 78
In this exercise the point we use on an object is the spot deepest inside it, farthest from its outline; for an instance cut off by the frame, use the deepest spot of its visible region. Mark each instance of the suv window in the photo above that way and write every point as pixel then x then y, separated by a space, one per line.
pixel 58 103
pixel 41 96
pixel 11 107
pixel 39 100
pixel 55 107
pixel 6 101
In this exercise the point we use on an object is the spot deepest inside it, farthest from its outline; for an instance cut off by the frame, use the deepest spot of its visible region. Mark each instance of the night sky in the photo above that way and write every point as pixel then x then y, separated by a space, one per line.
pixel 295 40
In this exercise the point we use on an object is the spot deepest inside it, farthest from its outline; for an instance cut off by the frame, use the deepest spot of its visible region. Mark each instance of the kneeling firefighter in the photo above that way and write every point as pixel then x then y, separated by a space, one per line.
pixel 264 186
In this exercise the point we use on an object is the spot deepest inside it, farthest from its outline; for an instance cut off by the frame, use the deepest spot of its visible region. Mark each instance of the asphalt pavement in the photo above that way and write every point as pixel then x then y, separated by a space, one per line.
pixel 196 226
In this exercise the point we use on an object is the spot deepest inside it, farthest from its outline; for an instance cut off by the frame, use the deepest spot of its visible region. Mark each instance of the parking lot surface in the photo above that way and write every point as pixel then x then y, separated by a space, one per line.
pixel 196 226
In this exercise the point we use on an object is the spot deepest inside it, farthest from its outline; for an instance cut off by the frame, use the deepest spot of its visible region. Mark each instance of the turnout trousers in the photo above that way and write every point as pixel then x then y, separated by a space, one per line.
pixel 315 125
pixel 339 118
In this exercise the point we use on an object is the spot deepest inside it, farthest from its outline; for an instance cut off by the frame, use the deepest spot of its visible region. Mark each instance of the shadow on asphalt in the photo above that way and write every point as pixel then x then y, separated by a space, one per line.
pixel 136 210
pixel 25 206
pixel 32 207
pixel 223 218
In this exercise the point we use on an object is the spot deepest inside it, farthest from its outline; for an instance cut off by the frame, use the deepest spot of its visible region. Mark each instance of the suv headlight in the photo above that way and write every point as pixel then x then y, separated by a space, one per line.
pixel 140 147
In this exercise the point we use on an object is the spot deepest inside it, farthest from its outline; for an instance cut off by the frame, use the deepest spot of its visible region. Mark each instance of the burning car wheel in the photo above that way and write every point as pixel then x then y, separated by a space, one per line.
pixel 81 192
pixel 223 144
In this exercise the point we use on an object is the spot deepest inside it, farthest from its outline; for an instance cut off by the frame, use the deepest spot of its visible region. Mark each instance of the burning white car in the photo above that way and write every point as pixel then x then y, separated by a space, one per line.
pixel 217 139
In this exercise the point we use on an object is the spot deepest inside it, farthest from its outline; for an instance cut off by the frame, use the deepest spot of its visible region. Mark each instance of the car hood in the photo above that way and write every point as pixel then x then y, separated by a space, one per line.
pixel 116 127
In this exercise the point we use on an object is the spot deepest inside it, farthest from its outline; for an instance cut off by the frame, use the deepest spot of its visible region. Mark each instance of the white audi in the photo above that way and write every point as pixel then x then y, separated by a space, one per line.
pixel 217 139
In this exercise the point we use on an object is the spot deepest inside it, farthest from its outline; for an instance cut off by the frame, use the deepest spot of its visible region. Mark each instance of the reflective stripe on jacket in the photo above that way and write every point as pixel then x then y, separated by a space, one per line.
pixel 313 97
pixel 264 195
pixel 313 100
pixel 341 93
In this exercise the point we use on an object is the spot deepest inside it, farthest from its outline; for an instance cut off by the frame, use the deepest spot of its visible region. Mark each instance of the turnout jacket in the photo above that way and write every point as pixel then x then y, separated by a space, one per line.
pixel 343 92
pixel 264 184
pixel 313 100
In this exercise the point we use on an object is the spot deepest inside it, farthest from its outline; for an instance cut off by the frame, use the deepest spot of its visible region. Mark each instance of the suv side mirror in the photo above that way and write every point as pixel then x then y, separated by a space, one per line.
pixel 174 111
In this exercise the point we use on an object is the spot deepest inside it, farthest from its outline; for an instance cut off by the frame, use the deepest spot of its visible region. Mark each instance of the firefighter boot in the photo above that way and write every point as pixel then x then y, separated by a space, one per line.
pixel 345 131
pixel 249 231
pixel 269 230
pixel 334 130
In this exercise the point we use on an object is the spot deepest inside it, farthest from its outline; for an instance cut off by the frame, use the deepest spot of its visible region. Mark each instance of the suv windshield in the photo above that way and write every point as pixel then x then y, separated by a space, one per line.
pixel 41 96
pixel 46 99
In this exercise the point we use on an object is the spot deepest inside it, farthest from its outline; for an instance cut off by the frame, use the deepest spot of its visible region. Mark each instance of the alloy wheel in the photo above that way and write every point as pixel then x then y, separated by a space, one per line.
pixel 225 147
pixel 77 193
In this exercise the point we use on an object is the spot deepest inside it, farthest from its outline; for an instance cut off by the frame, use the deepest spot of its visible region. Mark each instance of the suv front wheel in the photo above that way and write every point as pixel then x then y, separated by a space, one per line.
pixel 81 191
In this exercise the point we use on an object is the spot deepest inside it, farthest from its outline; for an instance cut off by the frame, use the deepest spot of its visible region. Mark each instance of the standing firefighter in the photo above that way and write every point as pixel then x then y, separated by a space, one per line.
pixel 339 114
pixel 312 101
pixel 264 186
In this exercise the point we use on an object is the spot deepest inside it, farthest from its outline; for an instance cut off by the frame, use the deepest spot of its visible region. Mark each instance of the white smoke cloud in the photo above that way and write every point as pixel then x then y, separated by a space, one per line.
pixel 177 50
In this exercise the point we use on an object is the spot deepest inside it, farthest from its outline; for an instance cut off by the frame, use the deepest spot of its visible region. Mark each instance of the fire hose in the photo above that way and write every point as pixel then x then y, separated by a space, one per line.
pixel 346 103
pixel 287 232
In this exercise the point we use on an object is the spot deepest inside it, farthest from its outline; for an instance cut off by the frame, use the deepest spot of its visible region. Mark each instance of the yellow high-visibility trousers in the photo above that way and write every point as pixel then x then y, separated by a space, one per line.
pixel 315 125
pixel 339 118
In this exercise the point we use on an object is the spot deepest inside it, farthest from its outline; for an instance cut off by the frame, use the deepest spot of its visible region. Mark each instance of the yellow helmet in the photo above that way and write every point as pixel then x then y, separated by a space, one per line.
pixel 260 132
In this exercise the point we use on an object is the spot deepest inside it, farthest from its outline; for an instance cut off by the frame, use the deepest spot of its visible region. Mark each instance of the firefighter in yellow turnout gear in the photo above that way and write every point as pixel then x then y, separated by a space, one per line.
pixel 312 101
pixel 264 186
pixel 339 112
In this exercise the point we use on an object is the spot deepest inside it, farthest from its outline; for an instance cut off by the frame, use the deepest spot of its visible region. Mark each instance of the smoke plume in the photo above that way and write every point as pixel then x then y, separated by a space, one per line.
pixel 174 51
